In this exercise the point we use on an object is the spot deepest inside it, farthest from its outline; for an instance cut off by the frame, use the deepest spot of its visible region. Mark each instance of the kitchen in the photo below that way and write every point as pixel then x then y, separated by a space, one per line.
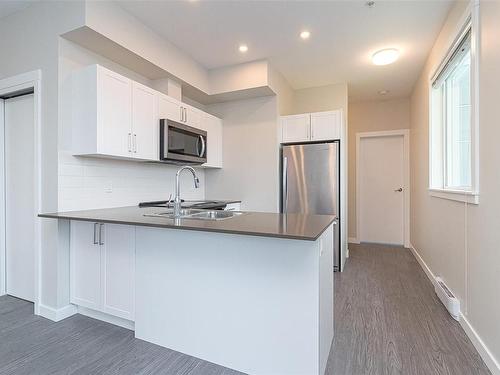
pixel 208 199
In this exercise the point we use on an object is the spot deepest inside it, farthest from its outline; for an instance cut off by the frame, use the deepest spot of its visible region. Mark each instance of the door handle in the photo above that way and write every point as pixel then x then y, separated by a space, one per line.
pixel 203 146
pixel 285 185
pixel 96 241
pixel 398 190
pixel 101 241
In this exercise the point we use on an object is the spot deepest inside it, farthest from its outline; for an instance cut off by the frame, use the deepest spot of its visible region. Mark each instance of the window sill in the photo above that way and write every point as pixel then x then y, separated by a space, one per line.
pixel 455 195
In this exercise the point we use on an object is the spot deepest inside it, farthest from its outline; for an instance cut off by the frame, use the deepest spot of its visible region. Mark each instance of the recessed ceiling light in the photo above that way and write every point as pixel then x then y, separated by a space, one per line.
pixel 305 34
pixel 243 48
pixel 383 92
pixel 385 56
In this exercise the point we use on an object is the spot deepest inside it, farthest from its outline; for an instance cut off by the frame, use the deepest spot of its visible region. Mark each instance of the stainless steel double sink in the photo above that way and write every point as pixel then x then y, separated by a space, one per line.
pixel 196 214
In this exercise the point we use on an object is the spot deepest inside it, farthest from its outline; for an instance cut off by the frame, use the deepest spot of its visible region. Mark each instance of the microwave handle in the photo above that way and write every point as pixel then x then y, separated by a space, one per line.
pixel 203 146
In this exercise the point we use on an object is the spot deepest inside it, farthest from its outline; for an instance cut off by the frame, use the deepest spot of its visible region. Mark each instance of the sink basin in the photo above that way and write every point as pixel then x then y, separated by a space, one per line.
pixel 189 213
pixel 215 215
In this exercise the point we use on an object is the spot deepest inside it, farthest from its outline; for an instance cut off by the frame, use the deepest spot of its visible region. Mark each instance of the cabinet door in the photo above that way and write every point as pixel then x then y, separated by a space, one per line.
pixel 169 108
pixel 192 116
pixel 114 112
pixel 213 126
pixel 145 123
pixel 295 128
pixel 85 265
pixel 325 125
pixel 118 270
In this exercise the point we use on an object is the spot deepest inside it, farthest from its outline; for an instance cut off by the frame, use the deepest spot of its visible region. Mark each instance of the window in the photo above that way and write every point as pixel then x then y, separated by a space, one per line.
pixel 452 127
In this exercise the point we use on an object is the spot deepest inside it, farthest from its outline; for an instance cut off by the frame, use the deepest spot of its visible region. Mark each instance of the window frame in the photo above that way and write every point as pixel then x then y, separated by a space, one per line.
pixel 437 163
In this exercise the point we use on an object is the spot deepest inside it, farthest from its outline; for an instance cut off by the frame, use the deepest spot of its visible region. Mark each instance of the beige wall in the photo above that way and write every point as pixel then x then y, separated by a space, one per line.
pixel 318 99
pixel 460 242
pixel 371 116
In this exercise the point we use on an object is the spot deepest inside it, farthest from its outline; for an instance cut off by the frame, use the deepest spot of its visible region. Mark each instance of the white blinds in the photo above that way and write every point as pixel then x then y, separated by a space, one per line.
pixel 461 47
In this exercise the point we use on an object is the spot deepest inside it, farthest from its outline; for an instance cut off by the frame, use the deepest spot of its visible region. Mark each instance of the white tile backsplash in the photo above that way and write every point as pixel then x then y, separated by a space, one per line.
pixel 87 183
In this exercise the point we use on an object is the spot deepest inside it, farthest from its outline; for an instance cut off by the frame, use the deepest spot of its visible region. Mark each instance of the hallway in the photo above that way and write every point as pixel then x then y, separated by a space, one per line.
pixel 389 321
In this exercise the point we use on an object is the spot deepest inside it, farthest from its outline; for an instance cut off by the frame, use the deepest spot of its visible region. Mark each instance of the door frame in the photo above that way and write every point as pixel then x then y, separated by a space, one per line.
pixel 405 133
pixel 21 82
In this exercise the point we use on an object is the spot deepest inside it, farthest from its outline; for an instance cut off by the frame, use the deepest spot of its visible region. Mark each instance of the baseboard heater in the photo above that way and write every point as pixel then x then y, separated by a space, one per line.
pixel 451 302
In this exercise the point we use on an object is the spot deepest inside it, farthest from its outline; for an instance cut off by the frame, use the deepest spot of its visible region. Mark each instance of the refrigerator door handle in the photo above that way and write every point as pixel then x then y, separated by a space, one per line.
pixel 285 185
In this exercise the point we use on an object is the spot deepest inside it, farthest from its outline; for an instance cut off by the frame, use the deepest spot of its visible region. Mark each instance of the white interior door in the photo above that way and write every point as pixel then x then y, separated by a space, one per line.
pixel 381 175
pixel 19 197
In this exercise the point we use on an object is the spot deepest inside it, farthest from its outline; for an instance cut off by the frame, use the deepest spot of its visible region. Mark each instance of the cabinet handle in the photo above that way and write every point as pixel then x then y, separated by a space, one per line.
pixel 101 241
pixel 129 142
pixel 96 241
pixel 185 115
pixel 181 114
pixel 135 143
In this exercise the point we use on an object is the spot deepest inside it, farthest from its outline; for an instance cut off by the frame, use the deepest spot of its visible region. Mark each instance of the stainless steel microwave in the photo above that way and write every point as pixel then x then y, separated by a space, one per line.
pixel 182 144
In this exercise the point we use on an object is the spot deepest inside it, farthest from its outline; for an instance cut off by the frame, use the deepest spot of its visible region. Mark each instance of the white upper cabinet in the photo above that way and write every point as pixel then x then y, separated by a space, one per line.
pixel 193 116
pixel 295 128
pixel 113 116
pixel 169 108
pixel 213 126
pixel 325 125
pixel 145 124
pixel 308 127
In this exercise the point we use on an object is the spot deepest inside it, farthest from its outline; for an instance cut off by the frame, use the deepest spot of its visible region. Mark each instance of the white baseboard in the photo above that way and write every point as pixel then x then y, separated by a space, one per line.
pixel 424 265
pixel 56 315
pixel 480 346
pixel 124 323
pixel 476 340
pixel 353 240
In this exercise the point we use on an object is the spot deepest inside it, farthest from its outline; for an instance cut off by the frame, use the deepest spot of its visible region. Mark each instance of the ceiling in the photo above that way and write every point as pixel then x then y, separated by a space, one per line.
pixel 344 35
pixel 9 7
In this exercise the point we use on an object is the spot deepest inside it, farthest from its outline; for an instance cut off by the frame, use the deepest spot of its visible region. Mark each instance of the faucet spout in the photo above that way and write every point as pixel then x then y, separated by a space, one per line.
pixel 177 199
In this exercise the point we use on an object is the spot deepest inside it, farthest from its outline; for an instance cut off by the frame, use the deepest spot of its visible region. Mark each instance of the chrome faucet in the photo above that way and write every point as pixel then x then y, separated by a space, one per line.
pixel 177 199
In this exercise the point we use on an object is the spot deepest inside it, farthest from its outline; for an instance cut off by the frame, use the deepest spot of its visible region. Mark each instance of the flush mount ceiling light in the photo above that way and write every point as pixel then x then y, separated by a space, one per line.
pixel 243 48
pixel 305 34
pixel 385 56
pixel 383 92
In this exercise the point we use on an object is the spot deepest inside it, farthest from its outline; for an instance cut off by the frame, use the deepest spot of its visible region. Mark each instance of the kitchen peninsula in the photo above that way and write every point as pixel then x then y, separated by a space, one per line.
pixel 253 292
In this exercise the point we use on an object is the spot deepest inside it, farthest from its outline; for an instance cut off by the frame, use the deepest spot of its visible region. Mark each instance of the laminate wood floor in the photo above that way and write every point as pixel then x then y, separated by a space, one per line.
pixel 31 345
pixel 388 320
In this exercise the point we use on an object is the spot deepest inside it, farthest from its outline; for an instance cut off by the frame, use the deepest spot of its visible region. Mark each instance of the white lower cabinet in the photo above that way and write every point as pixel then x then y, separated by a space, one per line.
pixel 102 268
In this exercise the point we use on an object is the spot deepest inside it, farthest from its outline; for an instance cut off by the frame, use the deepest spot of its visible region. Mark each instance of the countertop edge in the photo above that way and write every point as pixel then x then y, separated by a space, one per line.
pixel 196 229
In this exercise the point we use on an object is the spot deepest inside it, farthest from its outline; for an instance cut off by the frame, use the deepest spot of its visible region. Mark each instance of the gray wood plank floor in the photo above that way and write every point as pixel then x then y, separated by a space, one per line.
pixel 387 321
pixel 32 345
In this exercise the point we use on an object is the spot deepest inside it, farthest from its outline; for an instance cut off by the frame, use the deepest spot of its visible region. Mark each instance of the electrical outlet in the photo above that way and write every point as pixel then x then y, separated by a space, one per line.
pixel 109 187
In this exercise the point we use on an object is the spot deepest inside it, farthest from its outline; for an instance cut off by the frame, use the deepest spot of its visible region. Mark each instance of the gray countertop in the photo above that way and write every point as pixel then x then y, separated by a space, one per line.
pixel 291 226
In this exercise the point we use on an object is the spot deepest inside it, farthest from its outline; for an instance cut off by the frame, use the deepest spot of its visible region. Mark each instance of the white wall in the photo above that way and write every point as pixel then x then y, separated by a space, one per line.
pixel 250 154
pixel 371 116
pixel 86 183
pixel 459 242
pixel 29 42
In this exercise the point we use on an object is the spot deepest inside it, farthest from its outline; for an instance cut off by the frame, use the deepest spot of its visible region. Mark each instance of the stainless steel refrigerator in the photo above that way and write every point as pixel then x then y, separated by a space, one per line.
pixel 310 182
